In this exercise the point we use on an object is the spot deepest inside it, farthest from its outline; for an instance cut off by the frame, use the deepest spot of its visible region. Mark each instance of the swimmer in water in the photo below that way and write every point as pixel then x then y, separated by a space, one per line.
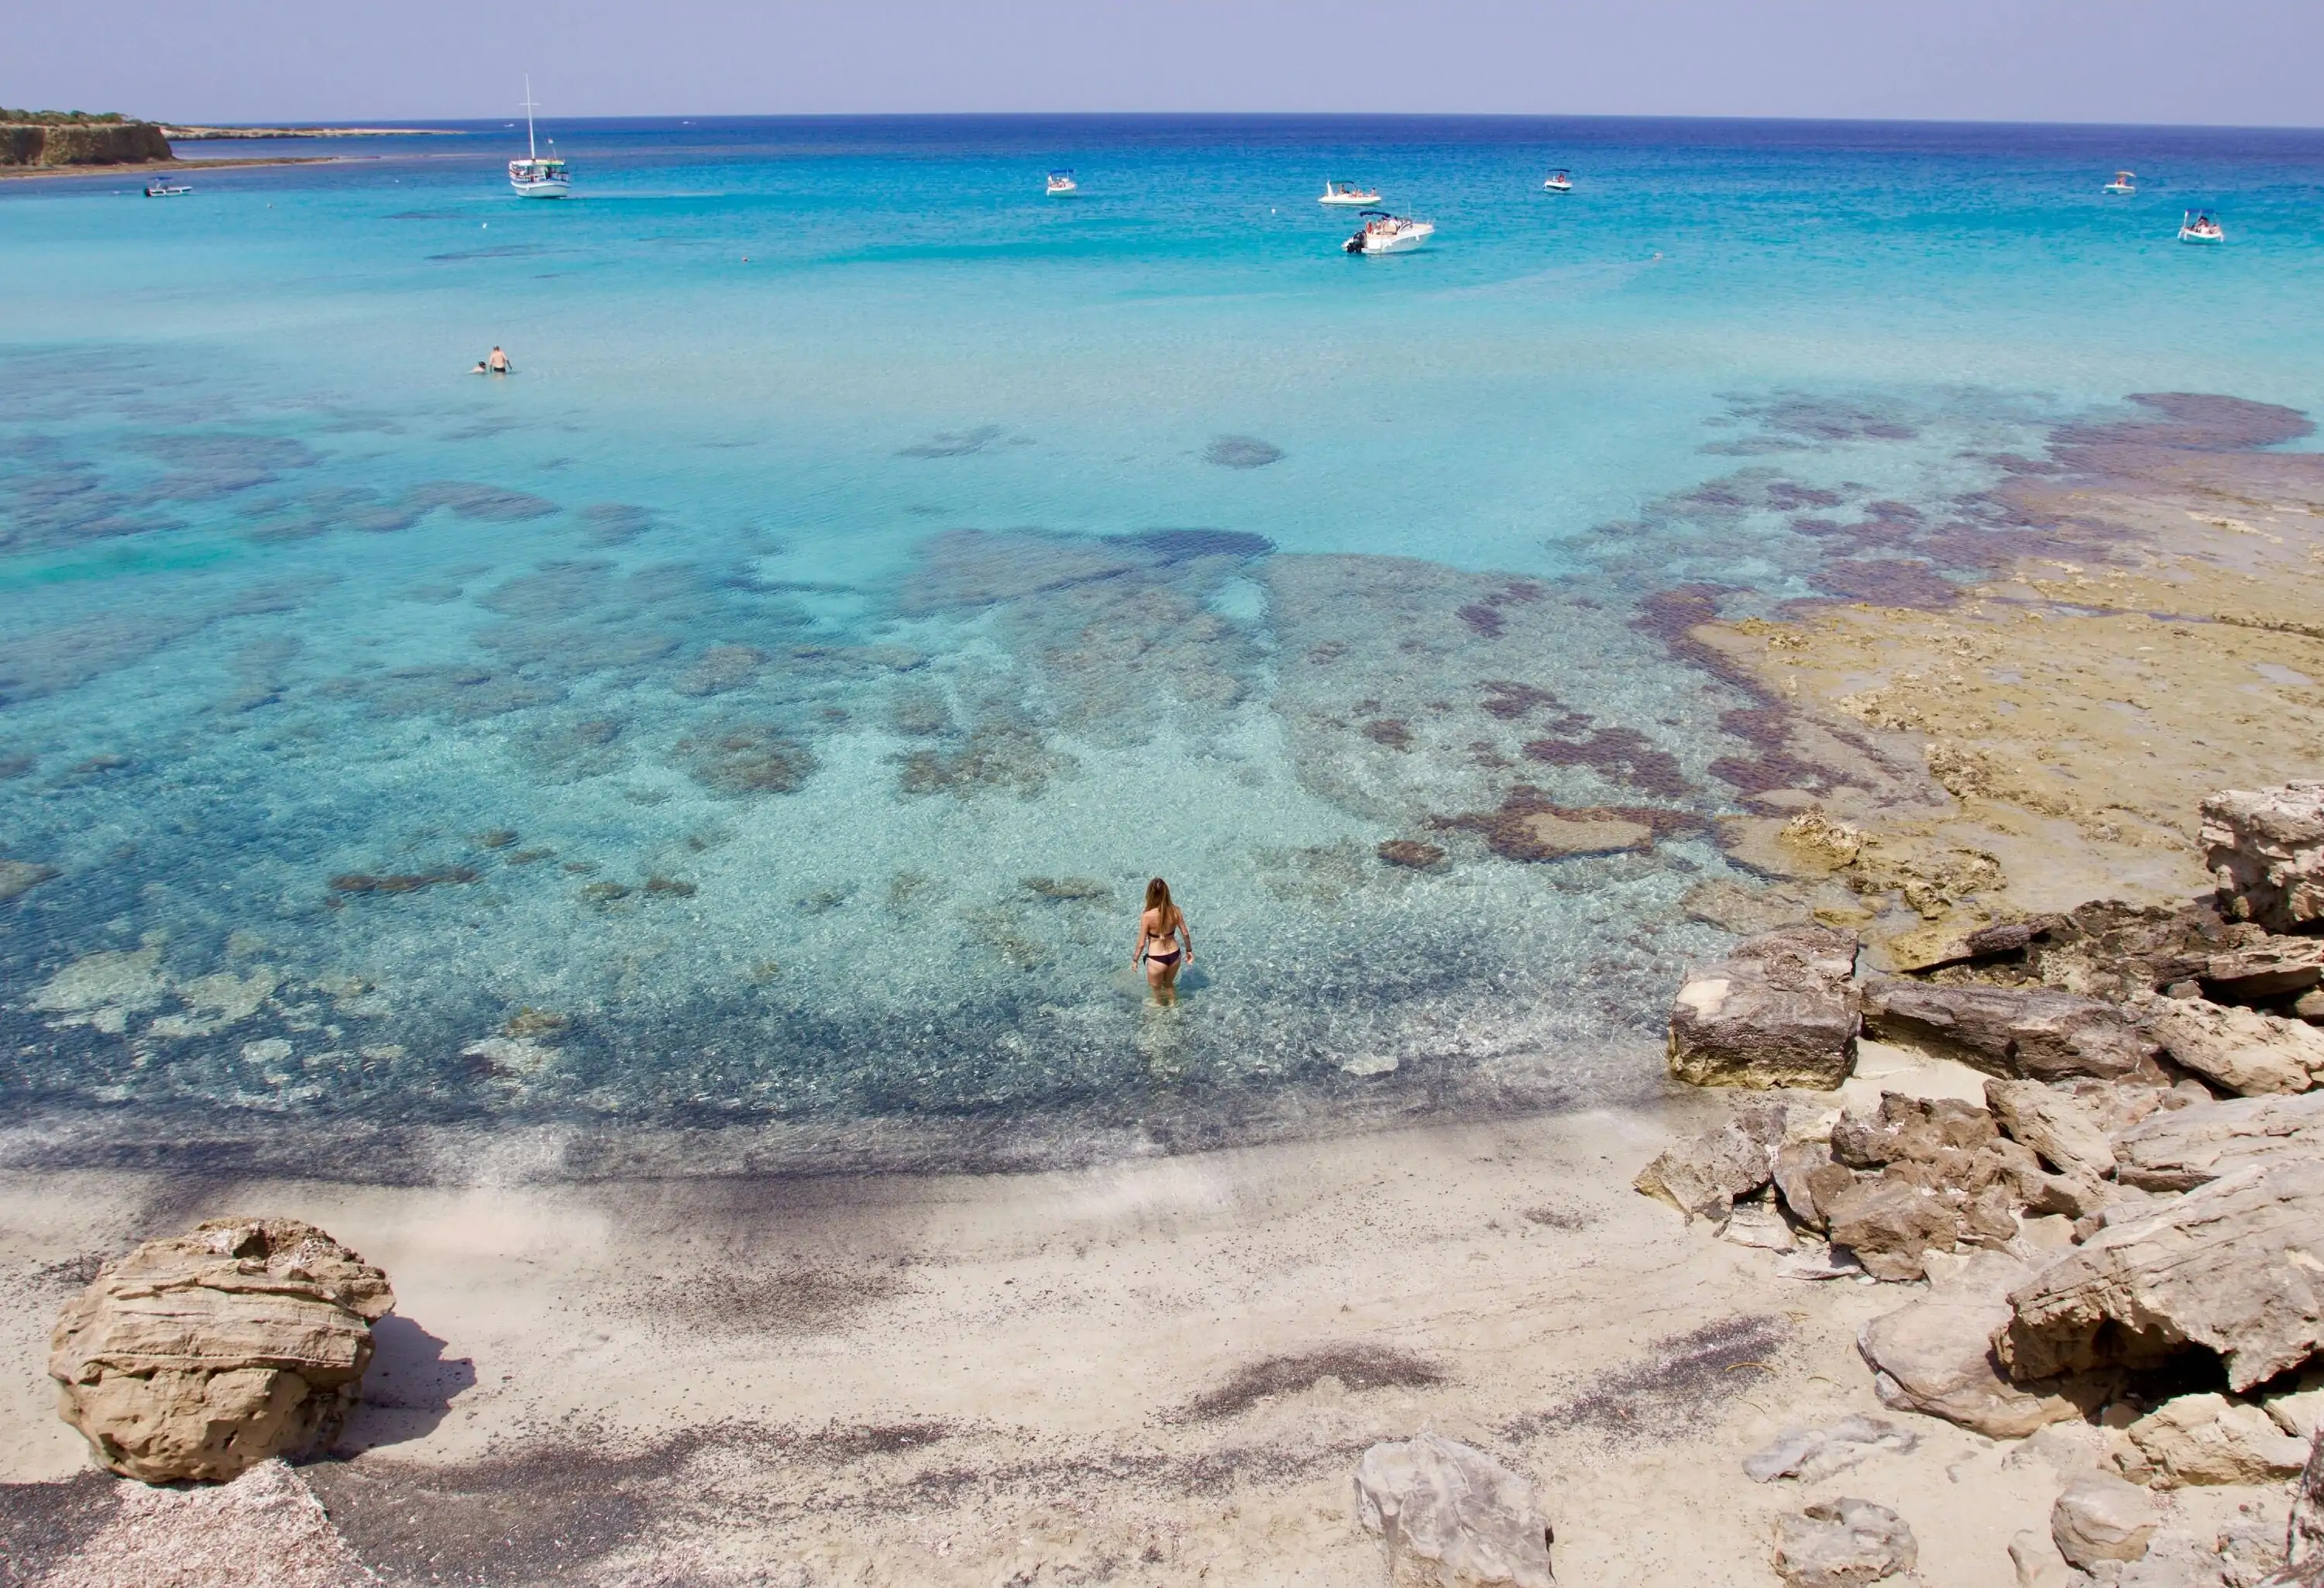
pixel 498 363
pixel 1161 931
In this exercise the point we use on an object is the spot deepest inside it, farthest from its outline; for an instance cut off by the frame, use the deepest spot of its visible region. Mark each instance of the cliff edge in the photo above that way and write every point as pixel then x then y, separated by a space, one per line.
pixel 92 142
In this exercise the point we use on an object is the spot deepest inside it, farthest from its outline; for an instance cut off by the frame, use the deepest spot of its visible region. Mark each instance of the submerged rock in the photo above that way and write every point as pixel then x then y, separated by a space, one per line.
pixel 2266 850
pixel 198 1356
pixel 19 877
pixel 1445 1502
pixel 1777 1011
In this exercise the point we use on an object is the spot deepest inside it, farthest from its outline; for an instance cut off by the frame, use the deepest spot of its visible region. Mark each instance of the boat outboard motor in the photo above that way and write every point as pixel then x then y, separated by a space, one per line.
pixel 1354 244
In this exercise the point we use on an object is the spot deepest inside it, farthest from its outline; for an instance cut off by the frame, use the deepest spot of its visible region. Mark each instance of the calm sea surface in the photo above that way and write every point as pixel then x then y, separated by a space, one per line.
pixel 767 704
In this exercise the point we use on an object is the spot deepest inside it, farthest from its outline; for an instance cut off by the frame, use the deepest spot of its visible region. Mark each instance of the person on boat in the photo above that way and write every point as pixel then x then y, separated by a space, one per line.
pixel 1166 944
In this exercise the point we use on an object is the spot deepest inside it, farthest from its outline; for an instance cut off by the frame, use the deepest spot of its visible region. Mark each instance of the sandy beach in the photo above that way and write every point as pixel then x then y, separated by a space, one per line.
pixel 144 168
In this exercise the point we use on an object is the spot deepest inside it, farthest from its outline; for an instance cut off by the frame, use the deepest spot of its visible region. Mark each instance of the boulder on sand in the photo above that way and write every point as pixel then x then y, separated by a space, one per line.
pixel 2237 1265
pixel 1778 1011
pixel 1447 1504
pixel 2025 1033
pixel 2264 848
pixel 1843 1543
pixel 198 1356
pixel 2209 1439
pixel 1934 1356
pixel 2101 1518
pixel 1704 1176
pixel 1890 1223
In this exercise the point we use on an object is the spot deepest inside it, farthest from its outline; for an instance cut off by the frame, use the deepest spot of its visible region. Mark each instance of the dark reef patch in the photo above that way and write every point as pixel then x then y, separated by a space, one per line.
pixel 746 759
pixel 1241 452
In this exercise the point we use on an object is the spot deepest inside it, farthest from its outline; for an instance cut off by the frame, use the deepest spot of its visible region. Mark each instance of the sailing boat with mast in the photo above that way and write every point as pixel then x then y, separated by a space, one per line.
pixel 533 177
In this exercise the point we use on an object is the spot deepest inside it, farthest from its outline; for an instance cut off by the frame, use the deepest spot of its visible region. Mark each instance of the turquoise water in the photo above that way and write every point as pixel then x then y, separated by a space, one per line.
pixel 767 704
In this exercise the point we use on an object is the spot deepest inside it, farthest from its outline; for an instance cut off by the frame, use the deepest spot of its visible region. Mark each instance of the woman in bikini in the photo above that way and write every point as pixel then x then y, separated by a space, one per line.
pixel 1161 931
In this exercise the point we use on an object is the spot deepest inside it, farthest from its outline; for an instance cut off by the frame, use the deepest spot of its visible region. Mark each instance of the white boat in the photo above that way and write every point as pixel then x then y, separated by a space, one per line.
pixel 1062 184
pixel 1352 194
pixel 1383 233
pixel 1558 181
pixel 534 176
pixel 2125 183
pixel 2198 226
pixel 159 189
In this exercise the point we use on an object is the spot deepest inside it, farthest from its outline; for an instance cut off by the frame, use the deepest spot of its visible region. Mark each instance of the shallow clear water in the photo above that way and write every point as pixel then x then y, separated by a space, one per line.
pixel 769 702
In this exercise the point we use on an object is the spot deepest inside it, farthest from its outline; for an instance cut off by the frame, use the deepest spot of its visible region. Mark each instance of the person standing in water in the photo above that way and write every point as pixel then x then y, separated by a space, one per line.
pixel 1166 944
pixel 498 364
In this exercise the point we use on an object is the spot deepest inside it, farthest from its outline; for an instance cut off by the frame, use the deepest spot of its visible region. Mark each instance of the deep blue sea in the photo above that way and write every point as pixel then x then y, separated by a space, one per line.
pixel 767 704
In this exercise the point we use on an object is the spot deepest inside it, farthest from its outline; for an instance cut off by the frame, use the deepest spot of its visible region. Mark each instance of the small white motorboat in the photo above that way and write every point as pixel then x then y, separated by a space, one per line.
pixel 1383 233
pixel 1560 181
pixel 534 176
pixel 1351 194
pixel 2198 226
pixel 2125 183
pixel 1062 184
pixel 161 187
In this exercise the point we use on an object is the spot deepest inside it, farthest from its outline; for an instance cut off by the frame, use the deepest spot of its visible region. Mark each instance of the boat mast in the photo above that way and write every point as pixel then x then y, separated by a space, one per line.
pixel 532 149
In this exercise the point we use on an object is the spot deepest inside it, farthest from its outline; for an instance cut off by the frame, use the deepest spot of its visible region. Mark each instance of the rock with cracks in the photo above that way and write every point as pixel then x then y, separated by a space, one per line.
pixel 2025 1033
pixel 1934 1356
pixel 2101 1518
pixel 2264 848
pixel 2237 1265
pixel 2197 1439
pixel 199 1355
pixel 1454 1512
pixel 1778 1011
pixel 2242 1049
pixel 2055 1125
pixel 1843 1544
pixel 1704 1176
pixel 2191 1147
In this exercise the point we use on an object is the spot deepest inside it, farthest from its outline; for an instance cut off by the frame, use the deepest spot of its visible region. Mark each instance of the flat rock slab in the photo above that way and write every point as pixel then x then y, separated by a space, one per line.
pixel 2025 1033
pixel 2242 1049
pixel 2178 1151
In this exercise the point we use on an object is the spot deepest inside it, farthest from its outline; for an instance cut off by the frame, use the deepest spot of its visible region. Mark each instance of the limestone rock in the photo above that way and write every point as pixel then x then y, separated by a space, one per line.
pixel 1813 1454
pixel 2242 1049
pixel 1778 1011
pixel 2298 1411
pixel 1456 1509
pixel 2055 1125
pixel 1806 1176
pixel 1843 1543
pixel 2256 972
pixel 1889 1223
pixel 2303 1531
pixel 1702 1176
pixel 2037 1563
pixel 2101 1518
pixel 2237 1265
pixel 2266 850
pixel 2197 1439
pixel 2031 1033
pixel 1934 1355
pixel 2187 1148
pixel 198 1355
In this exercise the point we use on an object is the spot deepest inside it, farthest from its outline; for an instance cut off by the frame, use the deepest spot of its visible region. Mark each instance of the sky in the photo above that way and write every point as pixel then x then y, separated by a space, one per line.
pixel 2233 62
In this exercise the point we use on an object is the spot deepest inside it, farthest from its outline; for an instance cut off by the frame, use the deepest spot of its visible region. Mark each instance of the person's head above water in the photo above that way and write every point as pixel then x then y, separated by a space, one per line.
pixel 1157 897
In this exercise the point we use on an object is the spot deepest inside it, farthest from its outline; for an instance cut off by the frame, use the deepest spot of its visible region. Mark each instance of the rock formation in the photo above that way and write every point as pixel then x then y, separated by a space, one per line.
pixel 1455 1510
pixel 2101 1518
pixel 2266 852
pixel 93 142
pixel 198 1355
pixel 1843 1544
pixel 1778 1011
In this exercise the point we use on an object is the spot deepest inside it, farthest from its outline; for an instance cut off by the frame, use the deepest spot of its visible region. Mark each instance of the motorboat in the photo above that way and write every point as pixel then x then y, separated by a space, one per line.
pixel 1351 194
pixel 1383 233
pixel 2198 226
pixel 1062 184
pixel 161 187
pixel 537 176
pixel 2125 183
pixel 1558 181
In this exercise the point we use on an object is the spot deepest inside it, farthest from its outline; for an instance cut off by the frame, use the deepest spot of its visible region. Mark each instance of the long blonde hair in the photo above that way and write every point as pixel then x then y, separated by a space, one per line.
pixel 1158 899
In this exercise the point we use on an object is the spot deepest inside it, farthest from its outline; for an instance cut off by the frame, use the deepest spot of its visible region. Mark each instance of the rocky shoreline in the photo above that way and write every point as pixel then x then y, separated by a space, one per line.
pixel 2125 1238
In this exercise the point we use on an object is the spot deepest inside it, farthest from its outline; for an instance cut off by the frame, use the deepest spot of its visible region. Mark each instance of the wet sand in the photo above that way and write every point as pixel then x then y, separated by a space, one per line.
pixel 144 168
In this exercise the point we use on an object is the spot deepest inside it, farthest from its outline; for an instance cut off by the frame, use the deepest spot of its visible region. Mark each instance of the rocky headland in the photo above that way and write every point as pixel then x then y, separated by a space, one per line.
pixel 25 140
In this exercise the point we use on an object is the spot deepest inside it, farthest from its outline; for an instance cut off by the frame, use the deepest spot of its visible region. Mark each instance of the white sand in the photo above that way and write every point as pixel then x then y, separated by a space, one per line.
pixel 1024 1349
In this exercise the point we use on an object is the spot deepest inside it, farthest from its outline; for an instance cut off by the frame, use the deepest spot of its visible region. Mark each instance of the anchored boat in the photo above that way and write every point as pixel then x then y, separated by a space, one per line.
pixel 1062 184
pixel 534 176
pixel 2198 226
pixel 1383 233
pixel 2125 183
pixel 1351 194
pixel 160 187
pixel 1558 181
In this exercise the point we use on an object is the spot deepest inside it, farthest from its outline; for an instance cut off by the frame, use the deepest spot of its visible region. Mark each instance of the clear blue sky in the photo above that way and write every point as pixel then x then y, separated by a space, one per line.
pixel 2252 62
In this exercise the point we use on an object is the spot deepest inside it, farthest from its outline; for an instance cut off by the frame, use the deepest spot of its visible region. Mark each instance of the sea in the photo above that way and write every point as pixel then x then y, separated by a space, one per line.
pixel 762 711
